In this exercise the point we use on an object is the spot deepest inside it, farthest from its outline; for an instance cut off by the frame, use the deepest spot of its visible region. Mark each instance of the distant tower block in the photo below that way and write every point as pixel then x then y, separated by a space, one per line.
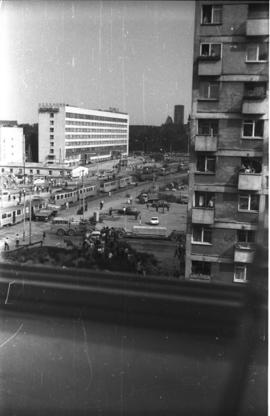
pixel 179 114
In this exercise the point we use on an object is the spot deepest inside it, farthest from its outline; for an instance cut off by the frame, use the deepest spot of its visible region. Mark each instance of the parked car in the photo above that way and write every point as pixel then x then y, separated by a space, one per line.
pixel 154 221
pixel 128 211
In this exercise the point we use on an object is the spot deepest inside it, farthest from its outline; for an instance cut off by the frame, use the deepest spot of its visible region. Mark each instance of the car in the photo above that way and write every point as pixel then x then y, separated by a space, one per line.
pixel 128 211
pixel 154 221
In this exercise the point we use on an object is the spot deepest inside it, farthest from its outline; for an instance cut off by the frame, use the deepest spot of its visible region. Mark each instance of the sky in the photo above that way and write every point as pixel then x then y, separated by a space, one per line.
pixel 132 55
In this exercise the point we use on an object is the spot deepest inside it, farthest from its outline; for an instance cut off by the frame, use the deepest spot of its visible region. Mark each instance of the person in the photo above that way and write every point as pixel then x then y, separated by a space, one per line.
pixel 6 246
pixel 43 236
pixel 211 203
pixel 17 240
pixel 110 211
pixel 110 194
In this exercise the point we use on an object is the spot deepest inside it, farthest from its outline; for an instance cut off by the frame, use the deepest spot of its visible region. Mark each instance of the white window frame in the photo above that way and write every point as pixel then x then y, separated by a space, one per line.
pixel 249 203
pixel 209 121
pixel 213 6
pixel 206 159
pixel 210 44
pixel 202 242
pixel 253 122
pixel 244 268
pixel 210 83
pixel 257 53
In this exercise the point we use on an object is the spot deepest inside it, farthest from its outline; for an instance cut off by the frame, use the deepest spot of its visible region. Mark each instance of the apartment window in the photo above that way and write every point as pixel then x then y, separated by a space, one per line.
pixel 38 171
pixel 248 202
pixel 206 164
pixel 51 122
pixel 204 199
pixel 51 144
pixel 51 115
pixel 253 128
pixel 210 50
pixel 257 52
pixel 208 127
pixel 255 90
pixel 251 165
pixel 209 90
pixel 211 14
pixel 51 129
pixel 201 234
pixel 3 170
pixel 258 11
pixel 240 274
pixel 31 170
pixel 50 172
pixel 51 150
pixel 11 170
pixel 201 267
pixel 245 236
pixel 51 136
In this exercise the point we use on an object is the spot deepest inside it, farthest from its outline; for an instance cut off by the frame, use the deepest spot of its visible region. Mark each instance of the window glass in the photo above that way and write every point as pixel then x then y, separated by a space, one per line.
pixel 254 202
pixel 207 235
pixel 263 52
pixel 240 273
pixel 197 233
pixel 251 52
pixel 210 165
pixel 258 128
pixel 216 14
pixel 243 202
pixel 201 267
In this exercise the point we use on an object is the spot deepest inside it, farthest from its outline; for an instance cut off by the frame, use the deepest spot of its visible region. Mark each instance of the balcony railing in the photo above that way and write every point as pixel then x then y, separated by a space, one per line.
pixel 255 105
pixel 244 252
pixel 205 143
pixel 209 67
pixel 249 181
pixel 201 215
pixel 257 27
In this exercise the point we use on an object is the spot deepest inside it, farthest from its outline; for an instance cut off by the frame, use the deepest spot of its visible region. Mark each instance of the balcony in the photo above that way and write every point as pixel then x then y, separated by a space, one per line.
pixel 201 215
pixel 249 181
pixel 256 105
pixel 257 27
pixel 205 143
pixel 244 252
pixel 211 67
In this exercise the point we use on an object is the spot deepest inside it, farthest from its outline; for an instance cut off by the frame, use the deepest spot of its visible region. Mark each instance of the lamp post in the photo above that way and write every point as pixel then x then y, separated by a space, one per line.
pixel 30 218
pixel 24 214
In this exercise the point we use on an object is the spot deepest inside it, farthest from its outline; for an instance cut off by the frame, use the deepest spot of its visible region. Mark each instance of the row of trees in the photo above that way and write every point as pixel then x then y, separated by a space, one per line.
pixel 168 137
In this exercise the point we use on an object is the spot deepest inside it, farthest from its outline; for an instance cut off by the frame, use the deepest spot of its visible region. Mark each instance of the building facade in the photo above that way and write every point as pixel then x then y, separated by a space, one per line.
pixel 73 135
pixel 228 188
pixel 11 143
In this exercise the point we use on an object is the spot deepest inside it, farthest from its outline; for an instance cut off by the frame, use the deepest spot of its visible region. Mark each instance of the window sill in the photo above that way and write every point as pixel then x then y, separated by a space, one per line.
pixel 205 173
pixel 201 243
pixel 256 62
pixel 209 58
pixel 208 99
pixel 251 138
pixel 248 210
pixel 239 281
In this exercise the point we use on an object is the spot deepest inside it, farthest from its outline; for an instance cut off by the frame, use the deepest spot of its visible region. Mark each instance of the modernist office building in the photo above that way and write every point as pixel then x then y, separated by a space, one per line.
pixel 73 135
pixel 228 186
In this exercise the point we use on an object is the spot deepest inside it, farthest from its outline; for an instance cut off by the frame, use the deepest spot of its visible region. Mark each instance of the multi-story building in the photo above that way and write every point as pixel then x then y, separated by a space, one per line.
pixel 11 142
pixel 228 186
pixel 75 135
pixel 179 114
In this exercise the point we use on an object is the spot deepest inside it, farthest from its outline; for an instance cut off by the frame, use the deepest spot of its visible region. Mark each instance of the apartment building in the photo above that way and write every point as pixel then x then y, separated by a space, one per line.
pixel 11 142
pixel 73 135
pixel 228 187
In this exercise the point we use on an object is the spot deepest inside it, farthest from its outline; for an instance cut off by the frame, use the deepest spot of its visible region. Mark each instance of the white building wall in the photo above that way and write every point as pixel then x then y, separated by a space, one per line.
pixel 11 144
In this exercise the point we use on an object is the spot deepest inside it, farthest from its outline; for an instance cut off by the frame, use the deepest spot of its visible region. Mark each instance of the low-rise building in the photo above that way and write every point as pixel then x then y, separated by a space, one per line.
pixel 11 142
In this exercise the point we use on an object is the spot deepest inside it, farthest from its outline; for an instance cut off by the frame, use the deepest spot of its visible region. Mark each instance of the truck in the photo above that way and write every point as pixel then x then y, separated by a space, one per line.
pixel 65 226
pixel 44 215
pixel 146 231
pixel 156 232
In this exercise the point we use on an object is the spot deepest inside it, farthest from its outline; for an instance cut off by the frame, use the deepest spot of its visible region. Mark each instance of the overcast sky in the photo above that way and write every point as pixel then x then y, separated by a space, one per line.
pixel 132 55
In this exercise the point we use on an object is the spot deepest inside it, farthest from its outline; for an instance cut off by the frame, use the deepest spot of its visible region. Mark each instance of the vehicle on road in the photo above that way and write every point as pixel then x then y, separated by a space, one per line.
pixel 154 221
pixel 128 211
pixel 184 199
pixel 147 231
pixel 44 215
pixel 64 226
pixel 72 196
pixel 161 204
